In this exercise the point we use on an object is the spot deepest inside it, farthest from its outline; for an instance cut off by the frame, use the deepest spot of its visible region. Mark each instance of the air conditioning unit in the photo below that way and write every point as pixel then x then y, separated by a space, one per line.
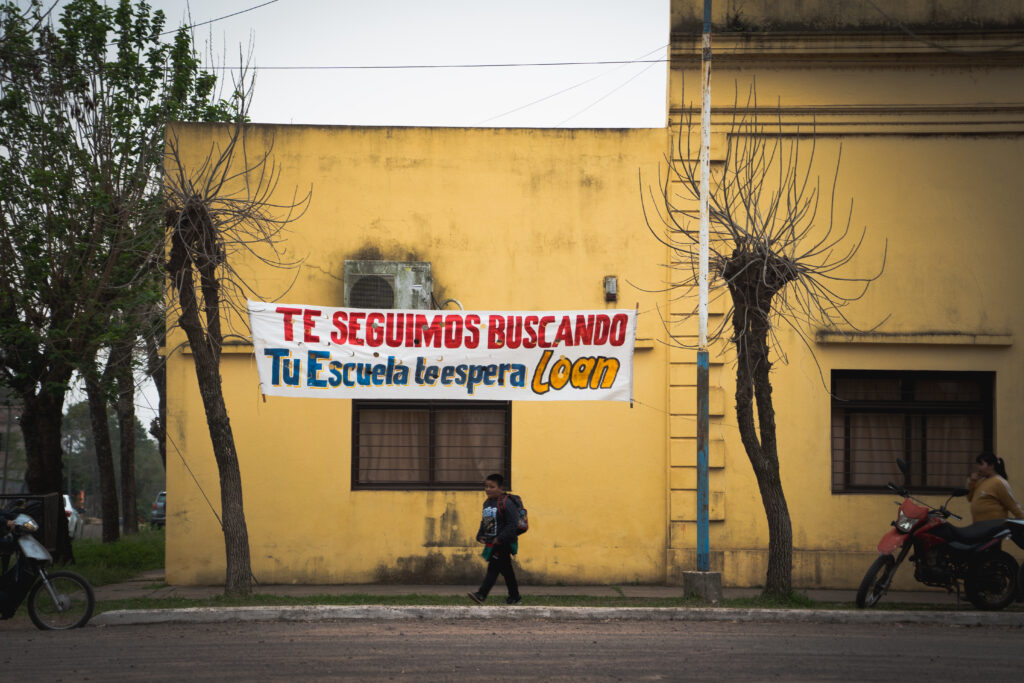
pixel 388 284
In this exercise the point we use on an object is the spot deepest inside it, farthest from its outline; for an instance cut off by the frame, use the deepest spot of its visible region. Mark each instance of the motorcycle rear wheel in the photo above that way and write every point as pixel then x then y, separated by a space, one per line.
pixel 876 581
pixel 74 605
pixel 992 580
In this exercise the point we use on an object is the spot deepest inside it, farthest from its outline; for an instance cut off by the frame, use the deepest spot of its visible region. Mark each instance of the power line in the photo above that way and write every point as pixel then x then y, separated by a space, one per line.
pixel 565 90
pixel 509 65
pixel 226 16
pixel 606 95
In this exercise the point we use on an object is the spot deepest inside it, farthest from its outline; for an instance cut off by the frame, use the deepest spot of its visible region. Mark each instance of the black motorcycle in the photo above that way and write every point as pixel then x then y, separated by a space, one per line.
pixel 57 600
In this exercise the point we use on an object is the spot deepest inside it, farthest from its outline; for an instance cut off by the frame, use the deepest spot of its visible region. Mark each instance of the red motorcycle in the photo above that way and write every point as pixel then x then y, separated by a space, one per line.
pixel 944 555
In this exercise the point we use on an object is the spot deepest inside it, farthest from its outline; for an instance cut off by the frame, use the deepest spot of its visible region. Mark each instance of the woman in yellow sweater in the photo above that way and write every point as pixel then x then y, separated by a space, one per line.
pixel 989 492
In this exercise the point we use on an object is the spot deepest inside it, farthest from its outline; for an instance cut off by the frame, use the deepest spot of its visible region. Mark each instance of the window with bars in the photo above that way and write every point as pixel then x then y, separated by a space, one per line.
pixel 937 422
pixel 429 445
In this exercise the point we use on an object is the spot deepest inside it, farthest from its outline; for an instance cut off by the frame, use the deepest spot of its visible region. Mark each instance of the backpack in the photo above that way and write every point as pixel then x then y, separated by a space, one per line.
pixel 524 523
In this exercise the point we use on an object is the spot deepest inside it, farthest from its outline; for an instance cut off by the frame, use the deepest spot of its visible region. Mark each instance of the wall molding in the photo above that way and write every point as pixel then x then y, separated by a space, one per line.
pixel 936 337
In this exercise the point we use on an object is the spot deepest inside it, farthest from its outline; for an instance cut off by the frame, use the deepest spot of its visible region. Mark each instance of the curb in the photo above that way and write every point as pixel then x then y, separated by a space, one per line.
pixel 211 615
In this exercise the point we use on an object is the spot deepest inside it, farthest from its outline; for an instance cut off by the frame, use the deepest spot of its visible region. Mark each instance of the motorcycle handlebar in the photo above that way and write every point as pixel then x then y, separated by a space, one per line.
pixel 906 494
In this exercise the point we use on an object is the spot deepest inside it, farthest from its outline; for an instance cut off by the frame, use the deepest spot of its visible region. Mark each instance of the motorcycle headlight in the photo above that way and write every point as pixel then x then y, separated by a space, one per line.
pixel 30 525
pixel 903 523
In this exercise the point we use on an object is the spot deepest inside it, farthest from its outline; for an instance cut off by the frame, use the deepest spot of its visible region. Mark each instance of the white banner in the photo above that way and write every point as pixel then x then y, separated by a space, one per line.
pixel 321 352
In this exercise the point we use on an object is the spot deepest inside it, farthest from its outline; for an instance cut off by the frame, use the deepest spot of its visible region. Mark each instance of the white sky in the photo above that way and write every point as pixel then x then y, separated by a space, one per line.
pixel 325 33
pixel 332 33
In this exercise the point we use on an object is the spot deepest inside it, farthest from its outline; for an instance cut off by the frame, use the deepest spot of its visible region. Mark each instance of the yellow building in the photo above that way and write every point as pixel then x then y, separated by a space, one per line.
pixel 925 103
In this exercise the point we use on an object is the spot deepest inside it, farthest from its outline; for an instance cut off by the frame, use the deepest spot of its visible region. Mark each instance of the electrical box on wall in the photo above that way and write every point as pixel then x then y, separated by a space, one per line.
pixel 388 284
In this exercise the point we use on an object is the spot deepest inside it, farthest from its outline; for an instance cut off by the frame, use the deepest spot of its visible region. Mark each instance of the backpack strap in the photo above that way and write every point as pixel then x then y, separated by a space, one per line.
pixel 503 502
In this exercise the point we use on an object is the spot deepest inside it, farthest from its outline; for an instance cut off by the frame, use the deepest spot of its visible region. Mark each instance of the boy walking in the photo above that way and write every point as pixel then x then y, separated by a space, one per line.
pixel 498 530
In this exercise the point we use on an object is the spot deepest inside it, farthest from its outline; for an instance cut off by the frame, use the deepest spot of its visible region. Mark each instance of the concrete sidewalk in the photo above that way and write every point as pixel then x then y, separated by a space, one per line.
pixel 152 585
pixel 937 607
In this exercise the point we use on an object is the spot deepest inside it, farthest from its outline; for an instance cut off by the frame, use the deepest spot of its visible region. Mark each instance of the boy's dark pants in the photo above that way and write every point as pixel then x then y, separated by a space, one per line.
pixel 500 563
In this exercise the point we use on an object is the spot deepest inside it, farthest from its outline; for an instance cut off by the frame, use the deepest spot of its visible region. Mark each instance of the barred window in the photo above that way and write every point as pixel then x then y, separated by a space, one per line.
pixel 429 445
pixel 937 422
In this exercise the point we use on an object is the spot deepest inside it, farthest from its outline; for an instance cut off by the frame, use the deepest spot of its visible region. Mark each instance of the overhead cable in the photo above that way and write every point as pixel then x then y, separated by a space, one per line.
pixel 565 90
pixel 606 95
pixel 226 16
pixel 508 65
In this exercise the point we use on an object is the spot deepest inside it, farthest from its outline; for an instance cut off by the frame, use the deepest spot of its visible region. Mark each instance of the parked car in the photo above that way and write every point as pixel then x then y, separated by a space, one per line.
pixel 75 522
pixel 157 516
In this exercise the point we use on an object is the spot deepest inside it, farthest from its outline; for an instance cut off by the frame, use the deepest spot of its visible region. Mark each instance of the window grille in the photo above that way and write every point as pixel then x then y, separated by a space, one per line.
pixel 429 445
pixel 937 422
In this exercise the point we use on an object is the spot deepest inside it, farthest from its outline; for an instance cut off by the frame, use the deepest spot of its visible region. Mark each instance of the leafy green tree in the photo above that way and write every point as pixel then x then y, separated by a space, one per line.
pixel 81 470
pixel 83 106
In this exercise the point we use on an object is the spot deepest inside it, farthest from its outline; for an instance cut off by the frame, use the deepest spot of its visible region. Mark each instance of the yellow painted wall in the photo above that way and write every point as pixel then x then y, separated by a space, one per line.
pixel 534 219
pixel 510 220
pixel 931 143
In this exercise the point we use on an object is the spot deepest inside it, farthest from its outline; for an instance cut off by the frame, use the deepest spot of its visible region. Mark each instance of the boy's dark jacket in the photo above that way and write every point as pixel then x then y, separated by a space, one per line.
pixel 507 521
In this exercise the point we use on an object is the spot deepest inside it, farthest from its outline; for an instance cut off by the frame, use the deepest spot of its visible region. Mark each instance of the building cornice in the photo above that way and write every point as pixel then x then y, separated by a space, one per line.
pixel 846 49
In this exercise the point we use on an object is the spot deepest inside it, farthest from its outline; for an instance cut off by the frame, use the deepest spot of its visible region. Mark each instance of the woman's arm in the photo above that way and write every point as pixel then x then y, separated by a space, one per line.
pixel 1005 496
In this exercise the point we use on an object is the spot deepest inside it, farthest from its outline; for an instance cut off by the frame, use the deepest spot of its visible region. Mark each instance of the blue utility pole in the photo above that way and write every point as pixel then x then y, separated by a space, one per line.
pixel 703 365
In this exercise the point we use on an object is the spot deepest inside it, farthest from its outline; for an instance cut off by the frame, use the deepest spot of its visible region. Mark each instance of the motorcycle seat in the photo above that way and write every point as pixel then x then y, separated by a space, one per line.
pixel 974 533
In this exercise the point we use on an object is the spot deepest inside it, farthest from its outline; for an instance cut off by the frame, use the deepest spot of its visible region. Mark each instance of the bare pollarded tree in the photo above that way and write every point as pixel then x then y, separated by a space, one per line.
pixel 779 252
pixel 222 210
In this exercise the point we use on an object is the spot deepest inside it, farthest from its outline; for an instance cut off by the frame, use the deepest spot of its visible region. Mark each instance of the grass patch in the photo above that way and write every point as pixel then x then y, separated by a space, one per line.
pixel 794 600
pixel 104 563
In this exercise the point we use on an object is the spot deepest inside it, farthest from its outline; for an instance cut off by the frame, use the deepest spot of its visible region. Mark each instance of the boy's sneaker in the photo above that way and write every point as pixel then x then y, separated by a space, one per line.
pixel 518 600
pixel 476 597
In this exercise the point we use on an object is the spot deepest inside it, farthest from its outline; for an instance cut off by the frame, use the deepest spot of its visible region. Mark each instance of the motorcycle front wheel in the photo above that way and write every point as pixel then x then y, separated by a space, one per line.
pixel 876 581
pixel 72 607
pixel 992 580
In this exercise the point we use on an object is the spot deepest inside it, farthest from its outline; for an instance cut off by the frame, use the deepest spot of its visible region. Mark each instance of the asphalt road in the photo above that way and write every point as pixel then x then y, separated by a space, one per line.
pixel 519 650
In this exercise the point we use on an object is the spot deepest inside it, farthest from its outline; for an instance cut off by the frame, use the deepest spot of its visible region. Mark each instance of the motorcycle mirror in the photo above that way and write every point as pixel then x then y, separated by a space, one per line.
pixel 898 489
pixel 905 469
pixel 958 492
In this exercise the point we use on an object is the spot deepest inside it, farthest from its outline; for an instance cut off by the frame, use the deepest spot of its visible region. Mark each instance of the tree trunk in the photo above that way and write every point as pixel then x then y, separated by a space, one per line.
pixel 236 535
pixel 158 372
pixel 104 458
pixel 753 383
pixel 780 532
pixel 121 358
pixel 206 356
pixel 41 416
